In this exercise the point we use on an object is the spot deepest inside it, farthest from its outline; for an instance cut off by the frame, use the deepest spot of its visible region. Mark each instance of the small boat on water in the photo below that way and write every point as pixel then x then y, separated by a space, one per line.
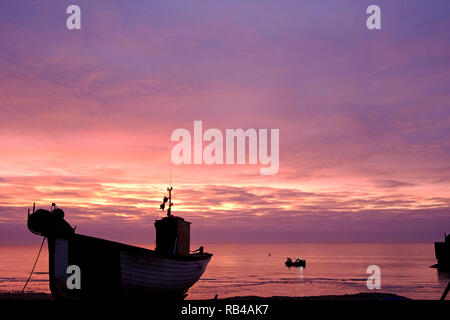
pixel 296 263
pixel 442 251
pixel 111 269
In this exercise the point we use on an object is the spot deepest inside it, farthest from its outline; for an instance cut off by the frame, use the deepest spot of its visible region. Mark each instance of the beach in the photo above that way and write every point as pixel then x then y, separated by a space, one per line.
pixel 16 295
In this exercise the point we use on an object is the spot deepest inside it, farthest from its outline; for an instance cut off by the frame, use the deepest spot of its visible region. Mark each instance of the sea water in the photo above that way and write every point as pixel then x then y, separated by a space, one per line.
pixel 242 269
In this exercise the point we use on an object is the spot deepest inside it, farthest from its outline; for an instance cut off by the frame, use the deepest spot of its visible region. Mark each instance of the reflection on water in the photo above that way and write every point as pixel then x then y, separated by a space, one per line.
pixel 247 269
pixel 300 272
pixel 298 269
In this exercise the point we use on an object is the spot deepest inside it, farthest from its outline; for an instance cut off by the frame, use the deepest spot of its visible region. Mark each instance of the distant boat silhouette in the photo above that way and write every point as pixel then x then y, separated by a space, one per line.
pixel 296 263
pixel 442 251
pixel 111 269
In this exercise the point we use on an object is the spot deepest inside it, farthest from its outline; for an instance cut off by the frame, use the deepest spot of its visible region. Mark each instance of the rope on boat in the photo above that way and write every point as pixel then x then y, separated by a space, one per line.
pixel 32 270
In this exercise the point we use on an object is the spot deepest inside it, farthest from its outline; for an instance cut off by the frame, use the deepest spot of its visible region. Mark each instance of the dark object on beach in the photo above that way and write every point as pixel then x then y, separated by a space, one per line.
pixel 115 270
pixel 444 294
pixel 442 251
pixel 297 263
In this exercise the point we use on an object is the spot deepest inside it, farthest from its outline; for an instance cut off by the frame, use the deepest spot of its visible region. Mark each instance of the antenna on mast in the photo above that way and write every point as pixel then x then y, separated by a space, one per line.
pixel 169 211
pixel 169 199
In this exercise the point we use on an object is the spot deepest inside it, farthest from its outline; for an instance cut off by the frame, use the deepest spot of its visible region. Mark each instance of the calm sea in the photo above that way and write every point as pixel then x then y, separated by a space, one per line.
pixel 247 269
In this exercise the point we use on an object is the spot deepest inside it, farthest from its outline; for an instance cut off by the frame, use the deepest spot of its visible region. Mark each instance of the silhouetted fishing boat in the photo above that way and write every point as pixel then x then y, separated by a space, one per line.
pixel 110 269
pixel 296 263
pixel 442 251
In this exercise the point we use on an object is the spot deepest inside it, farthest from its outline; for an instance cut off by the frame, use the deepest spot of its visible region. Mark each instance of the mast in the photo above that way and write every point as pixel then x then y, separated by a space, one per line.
pixel 170 201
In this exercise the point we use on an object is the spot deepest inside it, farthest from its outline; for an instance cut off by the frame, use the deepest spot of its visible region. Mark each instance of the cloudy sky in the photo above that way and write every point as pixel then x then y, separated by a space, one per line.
pixel 364 117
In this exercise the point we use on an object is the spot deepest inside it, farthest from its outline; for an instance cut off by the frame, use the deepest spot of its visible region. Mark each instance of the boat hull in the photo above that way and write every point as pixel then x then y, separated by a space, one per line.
pixel 114 270
pixel 296 264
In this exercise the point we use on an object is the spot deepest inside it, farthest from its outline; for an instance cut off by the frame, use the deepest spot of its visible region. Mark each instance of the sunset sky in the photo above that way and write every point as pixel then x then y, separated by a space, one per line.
pixel 364 116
